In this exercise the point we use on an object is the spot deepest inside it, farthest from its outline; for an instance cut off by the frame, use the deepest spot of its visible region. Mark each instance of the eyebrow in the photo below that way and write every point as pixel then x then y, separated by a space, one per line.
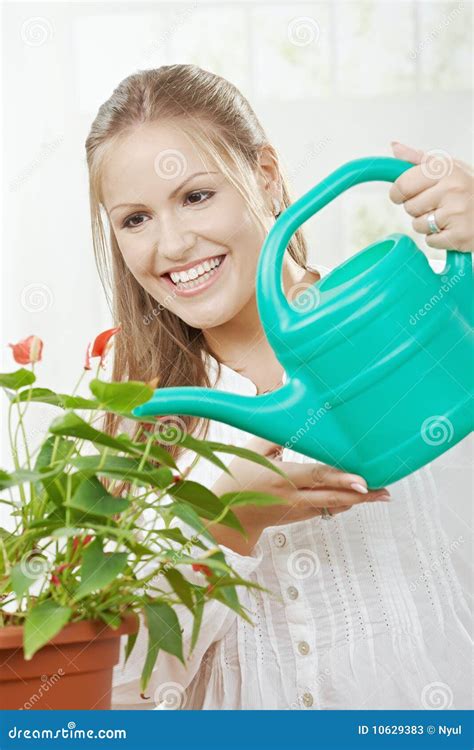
pixel 172 195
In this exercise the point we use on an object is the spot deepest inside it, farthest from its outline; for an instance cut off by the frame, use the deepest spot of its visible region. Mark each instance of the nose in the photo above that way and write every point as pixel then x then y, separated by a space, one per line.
pixel 175 240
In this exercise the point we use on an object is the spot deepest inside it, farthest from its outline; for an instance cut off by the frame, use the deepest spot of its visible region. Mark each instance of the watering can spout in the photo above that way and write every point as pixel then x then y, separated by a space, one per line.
pixel 254 414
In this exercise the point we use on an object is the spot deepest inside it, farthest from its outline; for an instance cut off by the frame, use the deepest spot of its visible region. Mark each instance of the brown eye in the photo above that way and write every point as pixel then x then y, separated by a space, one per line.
pixel 196 193
pixel 128 222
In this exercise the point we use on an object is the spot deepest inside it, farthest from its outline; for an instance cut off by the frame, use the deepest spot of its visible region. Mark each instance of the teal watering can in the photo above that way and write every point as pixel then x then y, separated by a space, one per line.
pixel 378 353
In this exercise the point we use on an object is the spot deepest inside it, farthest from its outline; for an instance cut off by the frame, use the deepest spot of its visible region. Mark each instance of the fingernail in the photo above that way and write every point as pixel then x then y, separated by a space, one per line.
pixel 384 496
pixel 359 488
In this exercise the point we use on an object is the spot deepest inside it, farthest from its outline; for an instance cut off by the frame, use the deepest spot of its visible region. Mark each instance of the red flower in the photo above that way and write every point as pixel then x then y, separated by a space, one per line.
pixel 199 568
pixel 28 350
pixel 55 580
pixel 101 346
pixel 76 541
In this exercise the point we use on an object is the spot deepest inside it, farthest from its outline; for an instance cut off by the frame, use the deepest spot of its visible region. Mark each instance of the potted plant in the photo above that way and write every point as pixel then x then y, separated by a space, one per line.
pixel 78 562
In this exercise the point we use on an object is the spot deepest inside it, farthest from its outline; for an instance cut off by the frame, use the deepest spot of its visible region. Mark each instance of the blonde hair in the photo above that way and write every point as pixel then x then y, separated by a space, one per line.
pixel 221 124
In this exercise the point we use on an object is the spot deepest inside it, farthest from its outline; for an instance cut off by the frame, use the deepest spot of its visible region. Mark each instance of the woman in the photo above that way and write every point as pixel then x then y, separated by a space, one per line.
pixel 187 179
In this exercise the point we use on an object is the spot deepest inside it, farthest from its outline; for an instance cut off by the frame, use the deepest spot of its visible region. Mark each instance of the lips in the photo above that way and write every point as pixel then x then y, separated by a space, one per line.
pixel 193 274
pixel 197 285
pixel 187 268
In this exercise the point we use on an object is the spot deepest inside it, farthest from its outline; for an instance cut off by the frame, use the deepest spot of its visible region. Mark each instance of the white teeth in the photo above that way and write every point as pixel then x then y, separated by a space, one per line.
pixel 203 269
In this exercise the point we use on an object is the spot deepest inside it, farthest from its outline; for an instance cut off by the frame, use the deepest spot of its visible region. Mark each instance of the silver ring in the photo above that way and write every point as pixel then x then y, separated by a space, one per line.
pixel 326 514
pixel 432 225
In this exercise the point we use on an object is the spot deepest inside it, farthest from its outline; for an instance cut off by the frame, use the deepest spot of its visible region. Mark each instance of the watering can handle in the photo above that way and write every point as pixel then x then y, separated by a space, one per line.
pixel 367 169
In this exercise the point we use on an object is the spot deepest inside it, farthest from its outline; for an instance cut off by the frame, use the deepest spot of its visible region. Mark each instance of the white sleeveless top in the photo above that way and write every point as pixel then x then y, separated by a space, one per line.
pixel 366 611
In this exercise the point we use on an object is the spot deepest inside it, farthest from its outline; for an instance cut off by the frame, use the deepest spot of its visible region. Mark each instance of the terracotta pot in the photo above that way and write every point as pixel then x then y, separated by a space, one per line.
pixel 72 671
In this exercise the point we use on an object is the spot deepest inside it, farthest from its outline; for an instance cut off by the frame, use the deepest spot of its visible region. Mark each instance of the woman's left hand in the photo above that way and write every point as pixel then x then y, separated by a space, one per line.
pixel 438 185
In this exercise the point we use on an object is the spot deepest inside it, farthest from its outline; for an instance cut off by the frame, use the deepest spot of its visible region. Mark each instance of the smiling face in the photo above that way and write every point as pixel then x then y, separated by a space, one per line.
pixel 173 214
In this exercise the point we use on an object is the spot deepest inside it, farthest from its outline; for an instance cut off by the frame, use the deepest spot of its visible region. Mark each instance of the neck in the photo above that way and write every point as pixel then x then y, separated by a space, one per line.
pixel 243 334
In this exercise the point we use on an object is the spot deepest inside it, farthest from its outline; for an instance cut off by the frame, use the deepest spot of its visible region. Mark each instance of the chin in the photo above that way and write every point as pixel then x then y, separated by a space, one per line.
pixel 216 315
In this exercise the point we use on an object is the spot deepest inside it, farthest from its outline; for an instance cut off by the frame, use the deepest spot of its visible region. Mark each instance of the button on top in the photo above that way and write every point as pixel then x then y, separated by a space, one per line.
pixel 292 592
pixel 279 539
pixel 303 648
pixel 307 700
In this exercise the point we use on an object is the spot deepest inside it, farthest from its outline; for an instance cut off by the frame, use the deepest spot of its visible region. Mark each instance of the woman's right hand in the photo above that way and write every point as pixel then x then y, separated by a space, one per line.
pixel 310 487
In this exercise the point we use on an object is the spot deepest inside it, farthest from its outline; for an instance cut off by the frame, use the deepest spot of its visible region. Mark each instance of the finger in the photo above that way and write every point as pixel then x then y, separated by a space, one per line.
pixel 341 509
pixel 314 474
pixel 420 223
pixel 330 497
pixel 442 240
pixel 426 201
pixel 410 184
pixel 407 153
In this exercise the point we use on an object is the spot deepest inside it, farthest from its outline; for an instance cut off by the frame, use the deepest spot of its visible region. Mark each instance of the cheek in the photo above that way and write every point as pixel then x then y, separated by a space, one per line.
pixel 138 256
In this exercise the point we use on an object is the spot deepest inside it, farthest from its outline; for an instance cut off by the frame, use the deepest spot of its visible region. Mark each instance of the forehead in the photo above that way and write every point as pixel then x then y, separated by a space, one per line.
pixel 149 156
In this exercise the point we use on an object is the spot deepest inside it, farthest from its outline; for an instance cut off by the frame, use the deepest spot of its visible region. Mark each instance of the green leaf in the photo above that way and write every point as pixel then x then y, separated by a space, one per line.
pixel 112 619
pixel 205 502
pixel 122 467
pixel 45 455
pixel 22 476
pixel 122 397
pixel 47 396
pixel 201 447
pixel 164 632
pixel 131 640
pixel 248 454
pixel 181 587
pixel 198 611
pixel 20 580
pixel 189 516
pixel 18 379
pixel 42 623
pixel 176 535
pixel 92 497
pixel 99 569
pixel 72 425
pixel 249 497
